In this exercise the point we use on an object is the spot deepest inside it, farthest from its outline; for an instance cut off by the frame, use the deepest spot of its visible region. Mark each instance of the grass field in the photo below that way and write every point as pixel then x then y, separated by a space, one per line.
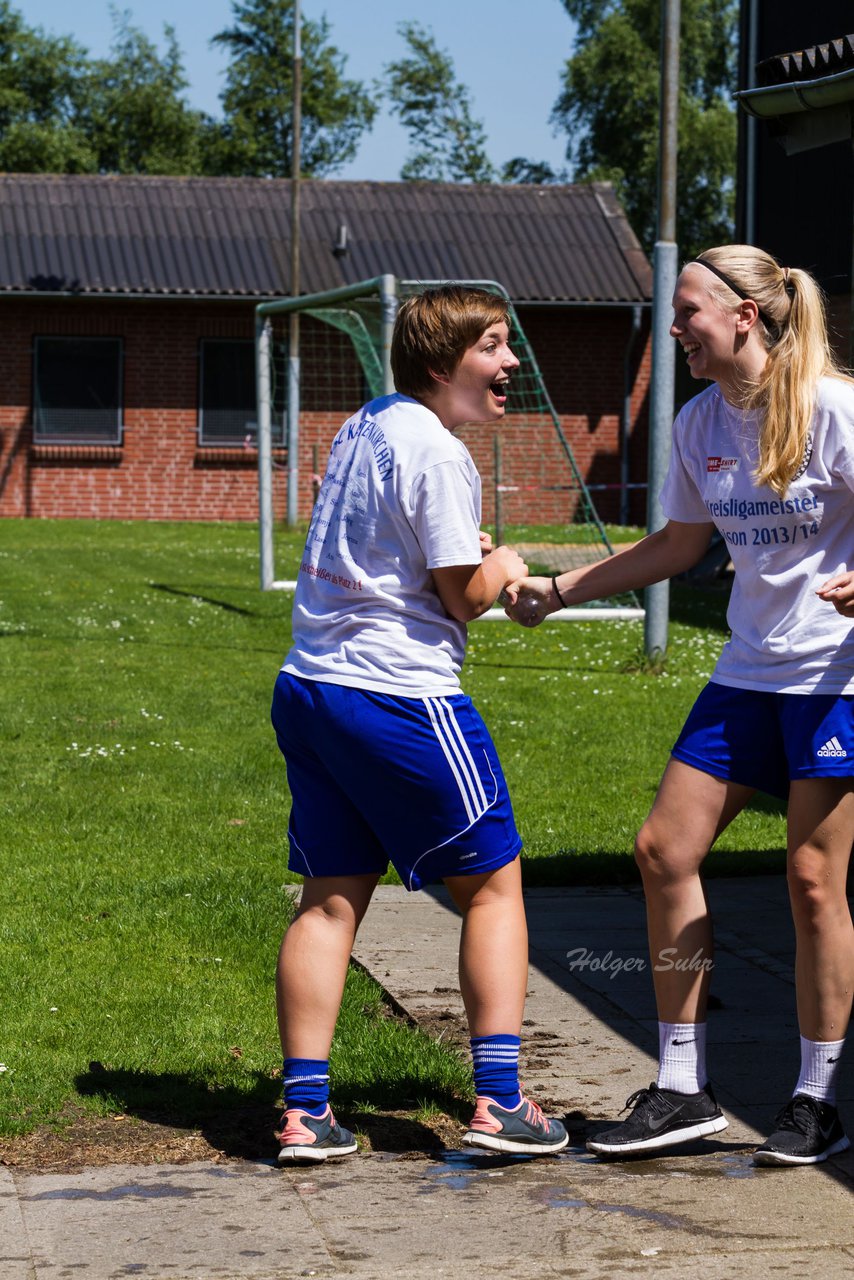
pixel 144 812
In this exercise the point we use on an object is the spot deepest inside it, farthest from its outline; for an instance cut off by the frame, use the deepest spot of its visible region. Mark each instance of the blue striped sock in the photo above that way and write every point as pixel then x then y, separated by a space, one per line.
pixel 496 1068
pixel 306 1084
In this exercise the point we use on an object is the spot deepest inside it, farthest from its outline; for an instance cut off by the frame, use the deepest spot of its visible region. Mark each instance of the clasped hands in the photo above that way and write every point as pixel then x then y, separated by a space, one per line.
pixel 529 601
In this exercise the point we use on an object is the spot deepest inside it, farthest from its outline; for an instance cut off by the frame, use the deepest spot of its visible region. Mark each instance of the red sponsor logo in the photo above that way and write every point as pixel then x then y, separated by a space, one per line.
pixel 722 464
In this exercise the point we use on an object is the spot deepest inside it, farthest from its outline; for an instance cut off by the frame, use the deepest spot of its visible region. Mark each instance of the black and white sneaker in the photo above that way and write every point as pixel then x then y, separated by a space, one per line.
pixel 661 1118
pixel 806 1132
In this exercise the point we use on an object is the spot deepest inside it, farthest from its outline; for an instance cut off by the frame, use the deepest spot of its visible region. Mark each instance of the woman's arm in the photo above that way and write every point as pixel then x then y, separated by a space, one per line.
pixel 660 555
pixel 468 590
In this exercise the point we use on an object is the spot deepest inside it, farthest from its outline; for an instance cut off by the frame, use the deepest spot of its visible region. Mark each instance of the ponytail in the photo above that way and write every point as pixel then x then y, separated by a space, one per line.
pixel 794 330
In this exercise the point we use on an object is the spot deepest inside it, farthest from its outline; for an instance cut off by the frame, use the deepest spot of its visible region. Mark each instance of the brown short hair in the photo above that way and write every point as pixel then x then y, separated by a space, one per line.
pixel 434 329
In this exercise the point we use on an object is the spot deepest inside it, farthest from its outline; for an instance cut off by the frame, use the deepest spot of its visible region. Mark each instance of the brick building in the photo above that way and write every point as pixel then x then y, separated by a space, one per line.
pixel 127 313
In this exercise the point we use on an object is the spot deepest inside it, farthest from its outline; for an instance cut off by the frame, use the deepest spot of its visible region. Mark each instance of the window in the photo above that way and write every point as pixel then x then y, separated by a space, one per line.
pixel 227 397
pixel 77 391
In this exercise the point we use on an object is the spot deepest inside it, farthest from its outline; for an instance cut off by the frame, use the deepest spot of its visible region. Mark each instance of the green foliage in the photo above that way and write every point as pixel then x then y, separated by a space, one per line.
pixel 609 108
pixel 134 111
pixel 61 112
pixel 258 99
pixel 449 145
pixel 537 172
pixel 42 81
pixel 64 112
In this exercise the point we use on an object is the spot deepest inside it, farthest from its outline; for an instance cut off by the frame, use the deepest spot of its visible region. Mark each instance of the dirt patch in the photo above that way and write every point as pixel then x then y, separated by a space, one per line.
pixel 90 1141
pixel 84 1141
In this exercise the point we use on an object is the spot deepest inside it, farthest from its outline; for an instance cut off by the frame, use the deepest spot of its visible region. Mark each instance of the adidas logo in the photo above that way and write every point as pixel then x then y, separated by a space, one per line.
pixel 834 748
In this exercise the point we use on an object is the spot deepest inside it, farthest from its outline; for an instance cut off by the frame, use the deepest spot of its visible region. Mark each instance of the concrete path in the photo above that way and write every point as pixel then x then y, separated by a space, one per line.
pixel 590 1041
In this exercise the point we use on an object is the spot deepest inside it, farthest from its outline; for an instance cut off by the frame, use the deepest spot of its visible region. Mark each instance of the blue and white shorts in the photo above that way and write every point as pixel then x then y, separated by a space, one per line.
pixel 767 740
pixel 377 779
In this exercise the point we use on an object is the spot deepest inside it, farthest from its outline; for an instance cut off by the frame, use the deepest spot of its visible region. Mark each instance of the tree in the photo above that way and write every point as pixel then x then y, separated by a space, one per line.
pixel 41 85
pixel 61 112
pixel 258 97
pixel 609 107
pixel 537 172
pixel 449 145
pixel 134 113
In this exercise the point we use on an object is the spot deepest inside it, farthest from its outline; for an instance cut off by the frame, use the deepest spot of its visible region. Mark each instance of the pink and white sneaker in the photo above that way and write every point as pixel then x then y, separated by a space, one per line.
pixel 523 1130
pixel 308 1139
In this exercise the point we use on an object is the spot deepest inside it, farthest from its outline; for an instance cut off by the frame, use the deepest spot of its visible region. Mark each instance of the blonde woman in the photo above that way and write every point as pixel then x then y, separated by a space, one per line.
pixel 766 455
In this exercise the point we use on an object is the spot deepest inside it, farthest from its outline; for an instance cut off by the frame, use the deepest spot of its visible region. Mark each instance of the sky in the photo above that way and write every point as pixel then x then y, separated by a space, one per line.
pixel 509 54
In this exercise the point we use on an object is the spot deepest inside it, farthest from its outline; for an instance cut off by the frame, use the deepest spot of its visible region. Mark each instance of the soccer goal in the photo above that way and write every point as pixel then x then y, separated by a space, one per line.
pixel 529 473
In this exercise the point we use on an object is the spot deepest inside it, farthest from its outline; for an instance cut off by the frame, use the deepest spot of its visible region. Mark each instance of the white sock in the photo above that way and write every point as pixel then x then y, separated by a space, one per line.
pixel 819 1069
pixel 682 1056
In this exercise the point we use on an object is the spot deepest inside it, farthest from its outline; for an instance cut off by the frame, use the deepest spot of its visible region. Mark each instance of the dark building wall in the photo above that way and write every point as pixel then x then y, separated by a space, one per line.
pixel 804 202
pixel 161 472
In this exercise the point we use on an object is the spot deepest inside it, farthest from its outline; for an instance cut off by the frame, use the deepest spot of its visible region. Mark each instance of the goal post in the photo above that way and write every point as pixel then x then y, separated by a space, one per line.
pixel 351 328
pixel 382 287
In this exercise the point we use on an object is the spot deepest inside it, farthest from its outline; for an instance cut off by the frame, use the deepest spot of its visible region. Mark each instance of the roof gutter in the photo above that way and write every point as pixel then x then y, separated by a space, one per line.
pixel 275 303
pixel 805 95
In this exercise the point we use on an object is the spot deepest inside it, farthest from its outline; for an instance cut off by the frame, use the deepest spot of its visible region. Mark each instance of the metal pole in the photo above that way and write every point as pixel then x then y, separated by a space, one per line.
pixel 499 504
pixel 293 320
pixel 750 125
pixel 388 307
pixel 664 273
pixel 263 346
pixel 626 422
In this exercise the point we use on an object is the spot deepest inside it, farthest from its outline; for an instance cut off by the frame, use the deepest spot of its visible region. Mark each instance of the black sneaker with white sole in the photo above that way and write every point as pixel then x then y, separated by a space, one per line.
pixel 806 1132
pixel 661 1119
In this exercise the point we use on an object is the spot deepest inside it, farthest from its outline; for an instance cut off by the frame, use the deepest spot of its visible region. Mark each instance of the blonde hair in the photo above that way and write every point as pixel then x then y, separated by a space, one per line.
pixel 434 329
pixel 793 327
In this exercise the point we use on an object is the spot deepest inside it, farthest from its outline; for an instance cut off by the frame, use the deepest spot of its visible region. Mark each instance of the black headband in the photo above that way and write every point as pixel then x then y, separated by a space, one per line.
pixel 767 320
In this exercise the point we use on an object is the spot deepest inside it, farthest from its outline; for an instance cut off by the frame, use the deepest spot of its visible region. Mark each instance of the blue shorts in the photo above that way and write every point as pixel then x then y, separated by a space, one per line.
pixel 765 740
pixel 377 779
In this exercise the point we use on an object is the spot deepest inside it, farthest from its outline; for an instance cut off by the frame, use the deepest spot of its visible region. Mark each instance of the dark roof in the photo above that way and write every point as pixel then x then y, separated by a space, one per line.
pixel 814 63
pixel 231 236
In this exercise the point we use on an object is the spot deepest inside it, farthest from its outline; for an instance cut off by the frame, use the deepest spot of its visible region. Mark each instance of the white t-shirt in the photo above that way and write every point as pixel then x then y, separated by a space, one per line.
pixel 784 638
pixel 401 496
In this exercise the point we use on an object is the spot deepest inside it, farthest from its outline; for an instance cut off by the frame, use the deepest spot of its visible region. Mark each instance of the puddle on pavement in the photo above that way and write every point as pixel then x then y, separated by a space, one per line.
pixel 459 1170
pixel 129 1191
pixel 562 1198
pixel 555 1200
pixel 647 1215
pixel 739 1167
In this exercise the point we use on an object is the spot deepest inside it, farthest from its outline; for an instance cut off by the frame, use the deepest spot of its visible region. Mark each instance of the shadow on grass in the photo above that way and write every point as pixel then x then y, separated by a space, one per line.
pixel 235 1121
pixel 569 868
pixel 242 1123
pixel 195 595
pixel 700 606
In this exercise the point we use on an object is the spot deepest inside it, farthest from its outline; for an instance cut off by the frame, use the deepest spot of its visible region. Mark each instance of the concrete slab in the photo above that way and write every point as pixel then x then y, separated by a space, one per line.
pixel 15 1255
pixel 236 1220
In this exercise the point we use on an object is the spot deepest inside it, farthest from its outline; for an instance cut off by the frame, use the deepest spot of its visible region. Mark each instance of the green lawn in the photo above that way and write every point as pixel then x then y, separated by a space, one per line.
pixel 144 812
